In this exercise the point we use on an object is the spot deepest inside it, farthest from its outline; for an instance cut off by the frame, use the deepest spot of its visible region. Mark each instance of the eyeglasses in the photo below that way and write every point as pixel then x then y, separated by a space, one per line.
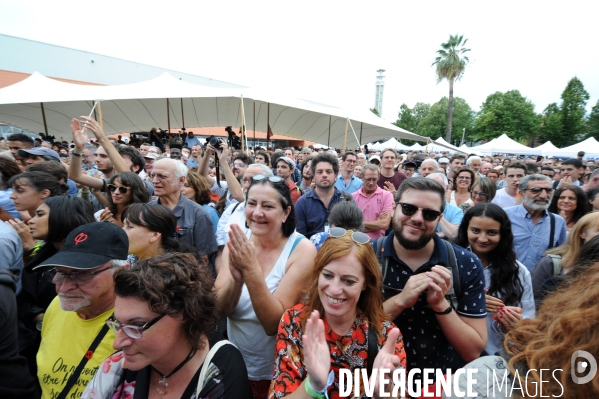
pixel 122 189
pixel 371 180
pixel 135 332
pixel 464 178
pixel 272 179
pixel 479 193
pixel 427 214
pixel 79 278
pixel 238 165
pixel 159 176
pixel 357 236
pixel 537 190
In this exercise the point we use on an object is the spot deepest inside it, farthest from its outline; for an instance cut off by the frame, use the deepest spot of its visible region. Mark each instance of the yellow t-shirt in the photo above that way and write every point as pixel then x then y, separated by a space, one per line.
pixel 65 339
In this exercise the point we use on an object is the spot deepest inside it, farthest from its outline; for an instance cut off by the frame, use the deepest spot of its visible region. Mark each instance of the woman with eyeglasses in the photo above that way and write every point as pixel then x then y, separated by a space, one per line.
pixel 164 312
pixel 486 230
pixel 462 185
pixel 124 189
pixel 483 191
pixel 571 203
pixel 337 323
pixel 262 274
pixel 53 221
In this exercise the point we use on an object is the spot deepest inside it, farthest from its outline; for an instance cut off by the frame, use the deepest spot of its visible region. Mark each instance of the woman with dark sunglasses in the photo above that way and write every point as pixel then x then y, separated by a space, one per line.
pixel 164 312
pixel 262 274
pixel 123 189
pixel 340 315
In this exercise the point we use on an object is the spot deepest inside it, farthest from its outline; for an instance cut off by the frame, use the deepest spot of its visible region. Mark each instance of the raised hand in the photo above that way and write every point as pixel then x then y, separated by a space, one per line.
pixel 317 357
pixel 242 252
pixel 79 134
pixel 24 233
pixel 386 359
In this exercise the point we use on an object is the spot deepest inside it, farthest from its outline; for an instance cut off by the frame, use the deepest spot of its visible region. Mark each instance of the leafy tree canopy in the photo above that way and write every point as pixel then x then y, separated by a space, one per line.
pixel 574 101
pixel 509 113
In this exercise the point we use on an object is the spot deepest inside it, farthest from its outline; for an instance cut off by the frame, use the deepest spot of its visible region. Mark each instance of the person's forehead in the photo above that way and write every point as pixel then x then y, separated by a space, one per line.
pixel 323 166
pixel 456 160
pixel 539 183
pixel 421 198
pixel 282 163
pixel 252 171
pixel 164 166
pixel 515 171
pixel 370 172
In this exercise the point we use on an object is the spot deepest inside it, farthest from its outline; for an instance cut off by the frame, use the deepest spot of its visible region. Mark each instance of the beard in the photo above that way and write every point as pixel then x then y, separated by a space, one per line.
pixel 412 245
pixel 73 304
pixel 536 206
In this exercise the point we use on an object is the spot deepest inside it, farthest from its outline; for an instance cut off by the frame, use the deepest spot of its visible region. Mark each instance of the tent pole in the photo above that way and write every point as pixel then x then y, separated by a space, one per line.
pixel 243 143
pixel 345 135
pixel 44 117
pixel 168 114
pixel 101 120
pixel 182 114
pixel 360 142
pixel 329 139
pixel 254 123
pixel 267 126
pixel 352 129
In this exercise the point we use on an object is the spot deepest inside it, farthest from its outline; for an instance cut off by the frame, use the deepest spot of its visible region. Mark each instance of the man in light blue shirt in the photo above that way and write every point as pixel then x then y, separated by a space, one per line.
pixel 452 215
pixel 347 181
pixel 531 222
pixel 191 141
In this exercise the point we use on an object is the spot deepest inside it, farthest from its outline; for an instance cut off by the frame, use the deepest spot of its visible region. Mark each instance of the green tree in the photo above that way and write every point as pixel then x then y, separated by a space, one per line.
pixel 405 119
pixel 451 63
pixel 509 113
pixel 551 125
pixel 574 101
pixel 593 122
pixel 434 124
pixel 375 111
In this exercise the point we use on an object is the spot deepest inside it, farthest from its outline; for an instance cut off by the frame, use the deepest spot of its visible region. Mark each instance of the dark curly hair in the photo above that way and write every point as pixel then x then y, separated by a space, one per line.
pixel 172 284
pixel 40 181
pixel 582 203
pixel 66 214
pixel 8 169
pixel 505 282
pixel 473 178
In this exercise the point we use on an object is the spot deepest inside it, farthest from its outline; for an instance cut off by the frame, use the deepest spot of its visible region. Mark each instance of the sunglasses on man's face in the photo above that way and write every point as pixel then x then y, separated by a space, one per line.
pixel 112 188
pixel 427 214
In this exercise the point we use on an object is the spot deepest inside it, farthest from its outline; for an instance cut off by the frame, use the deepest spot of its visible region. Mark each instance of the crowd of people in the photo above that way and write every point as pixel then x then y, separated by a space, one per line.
pixel 175 269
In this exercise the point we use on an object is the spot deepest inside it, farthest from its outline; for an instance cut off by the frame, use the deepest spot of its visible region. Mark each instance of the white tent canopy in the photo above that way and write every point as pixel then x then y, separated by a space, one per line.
pixel 505 145
pixel 140 106
pixel 590 146
pixel 391 143
pixel 547 148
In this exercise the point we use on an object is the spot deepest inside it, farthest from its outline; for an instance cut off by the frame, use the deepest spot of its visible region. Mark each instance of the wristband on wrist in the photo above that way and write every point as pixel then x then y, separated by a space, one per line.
pixel 319 394
pixel 77 154
pixel 84 191
pixel 446 311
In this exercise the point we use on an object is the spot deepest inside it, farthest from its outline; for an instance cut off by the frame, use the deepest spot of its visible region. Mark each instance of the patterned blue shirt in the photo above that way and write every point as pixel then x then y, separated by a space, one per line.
pixel 354 184
pixel 425 344
pixel 532 240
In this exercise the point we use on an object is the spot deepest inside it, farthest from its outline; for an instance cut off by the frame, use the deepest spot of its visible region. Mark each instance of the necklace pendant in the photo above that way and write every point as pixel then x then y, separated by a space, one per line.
pixel 162 387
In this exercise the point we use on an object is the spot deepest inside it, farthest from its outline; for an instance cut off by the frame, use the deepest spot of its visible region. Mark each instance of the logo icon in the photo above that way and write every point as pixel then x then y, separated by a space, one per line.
pixel 579 366
pixel 80 238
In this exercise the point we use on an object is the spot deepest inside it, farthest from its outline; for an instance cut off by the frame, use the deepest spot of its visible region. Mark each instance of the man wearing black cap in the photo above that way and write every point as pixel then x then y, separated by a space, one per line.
pixel 409 168
pixel 75 339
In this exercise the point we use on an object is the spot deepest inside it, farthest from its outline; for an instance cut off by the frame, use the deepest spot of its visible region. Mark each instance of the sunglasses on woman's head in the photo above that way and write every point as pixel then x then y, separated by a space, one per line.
pixel 122 189
pixel 427 214
pixel 357 236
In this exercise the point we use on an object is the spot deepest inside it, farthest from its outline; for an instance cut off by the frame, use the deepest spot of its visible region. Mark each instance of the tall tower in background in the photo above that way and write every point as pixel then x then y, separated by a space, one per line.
pixel 380 85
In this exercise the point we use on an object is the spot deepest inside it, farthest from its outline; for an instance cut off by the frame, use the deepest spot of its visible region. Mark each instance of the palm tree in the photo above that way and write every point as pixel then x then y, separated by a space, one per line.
pixel 451 64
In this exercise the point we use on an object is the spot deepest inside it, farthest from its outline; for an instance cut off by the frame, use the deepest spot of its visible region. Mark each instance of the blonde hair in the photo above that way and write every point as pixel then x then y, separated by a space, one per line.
pixel 570 249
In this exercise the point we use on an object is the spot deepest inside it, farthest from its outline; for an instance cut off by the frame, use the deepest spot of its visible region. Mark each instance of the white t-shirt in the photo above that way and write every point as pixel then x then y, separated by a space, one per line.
pixel 503 199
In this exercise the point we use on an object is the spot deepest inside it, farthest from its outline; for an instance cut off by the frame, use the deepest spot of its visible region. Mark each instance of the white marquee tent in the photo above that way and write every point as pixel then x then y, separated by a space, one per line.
pixel 40 104
pixel 505 145
pixel 391 143
pixel 590 146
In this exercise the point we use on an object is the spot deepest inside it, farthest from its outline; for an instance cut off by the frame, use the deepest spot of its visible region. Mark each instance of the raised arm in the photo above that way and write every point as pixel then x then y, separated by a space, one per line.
pixel 232 182
pixel 75 171
pixel 117 160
